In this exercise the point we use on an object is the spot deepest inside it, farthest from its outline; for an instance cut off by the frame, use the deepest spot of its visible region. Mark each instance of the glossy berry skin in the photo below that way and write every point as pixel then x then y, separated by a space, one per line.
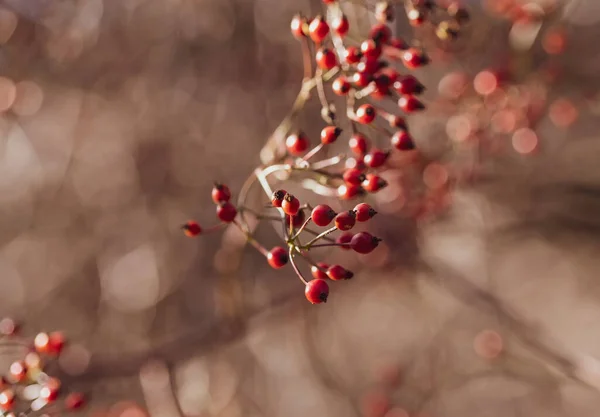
pixel 361 79
pixel 277 198
pixel 352 55
pixel 340 25
pixel 413 58
pixel 322 215
pixel 359 144
pixel 348 191
pixel 370 49
pixel 365 114
pixel 297 143
pixel 373 183
pixel 326 59
pixel 329 134
pixel 220 193
pixel 364 242
pixel 343 239
pixel 345 220
pixel 297 26
pixel 397 122
pixel 297 220
pixel 277 257
pixel 415 17
pixel 382 86
pixel 317 291
pixel 356 163
pixel 376 158
pixel 290 205
pixel 226 212
pixel 410 104
pixel 402 141
pixel 341 86
pixel 318 29
pixel 338 273
pixel 380 33
pixel 191 229
pixel 320 272
pixel 353 176
pixel 364 212
pixel 368 66
pixel 408 84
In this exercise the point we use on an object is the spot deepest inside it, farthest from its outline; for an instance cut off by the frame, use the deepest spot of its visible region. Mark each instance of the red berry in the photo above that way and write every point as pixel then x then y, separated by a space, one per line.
pixel 18 370
pixel 326 59
pixel 341 86
pixel 338 272
pixel 345 220
pixel 319 271
pixel 408 84
pixel 348 191
pixel 343 239
pixel 415 17
pixel 298 26
pixel 226 212
pixel 397 122
pixel 370 49
pixel 220 193
pixel 318 29
pixel 74 400
pixel 402 141
pixel 7 399
pixel 373 183
pixel 297 143
pixel 50 389
pixel 357 163
pixel 277 198
pixel 368 66
pixel 382 86
pixel 364 212
pixel 352 55
pixel 322 215
pixel 297 219
pixel 353 176
pixel 359 144
pixel 290 204
pixel 341 25
pixel 391 73
pixel 410 104
pixel 277 257
pixel 364 242
pixel 365 114
pixel 317 291
pixel 414 58
pixel 361 79
pixel 380 33
pixel 376 158
pixel 329 134
pixel 398 44
pixel 329 1
pixel 191 229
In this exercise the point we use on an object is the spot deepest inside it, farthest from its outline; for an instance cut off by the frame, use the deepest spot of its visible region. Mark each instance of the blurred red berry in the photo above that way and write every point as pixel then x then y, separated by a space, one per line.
pixel 297 143
pixel 319 271
pixel 414 58
pixel 410 104
pixel 340 25
pixel 365 114
pixel 398 44
pixel 220 193
pixel 318 29
pixel 329 134
pixel 297 26
pixel 352 55
pixel 408 84
pixel 277 198
pixel 373 183
pixel 402 141
pixel 322 215
pixel 397 122
pixel 326 59
pixel 364 242
pixel 364 212
pixel 361 79
pixel 297 219
pixel 191 229
pixel 226 212
pixel 338 273
pixel 353 176
pixel 341 86
pixel 348 191
pixel 74 401
pixel 380 33
pixel 359 144
pixel 343 239
pixel 370 49
pixel 376 158
pixel 277 257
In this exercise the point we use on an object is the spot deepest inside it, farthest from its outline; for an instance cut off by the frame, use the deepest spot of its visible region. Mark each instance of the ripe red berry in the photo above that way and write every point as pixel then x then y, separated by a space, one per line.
pixel 326 59
pixel 373 183
pixel 414 58
pixel 297 219
pixel 7 399
pixel 319 271
pixel 353 176
pixel 220 193
pixel 364 242
pixel 348 191
pixel 376 158
pixel 368 66
pixel 317 291
pixel 365 114
pixel 370 49
pixel 361 79
pixel 297 143
pixel 380 33
pixel 398 44
pixel 415 17
pixel 340 25
pixel 226 212
pixel 74 400
pixel 352 55
pixel 356 163
pixel 277 257
pixel 359 144
pixel 322 215
pixel 341 86
pixel 410 104
pixel 382 86
pixel 191 229
pixel 318 29
pixel 402 141
pixel 384 11
pixel 345 220
pixel 277 198
pixel 397 121
pixel 338 272
pixel 297 26
pixel 329 1
pixel 290 204
pixel 364 212
pixel 329 134
pixel 343 239
pixel 408 84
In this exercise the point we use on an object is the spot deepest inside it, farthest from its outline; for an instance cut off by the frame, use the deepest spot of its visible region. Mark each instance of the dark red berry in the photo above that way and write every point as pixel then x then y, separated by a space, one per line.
pixel 373 183
pixel 410 104
pixel 341 86
pixel 356 163
pixel 391 73
pixel 297 143
pixel 408 84
pixel 359 144
pixel 397 121
pixel 220 193
pixel 364 242
pixel 382 86
pixel 319 271
pixel 277 257
pixel 414 58
pixel 290 204
pixel 318 29
pixel 398 44
pixel 343 239
pixel 317 291
pixel 322 215
pixel 365 114
pixel 277 198
pixel 368 66
pixel 402 141
pixel 348 191
pixel 353 176
pixel 352 55
pixel 326 59
pixel 191 229
pixel 376 158
pixel 297 219
pixel 361 79
pixel 298 26
pixel 340 25
pixel 74 400
pixel 364 212
pixel 226 212
pixel 329 134
pixel 338 273
pixel 380 33
pixel 370 49
pixel 345 220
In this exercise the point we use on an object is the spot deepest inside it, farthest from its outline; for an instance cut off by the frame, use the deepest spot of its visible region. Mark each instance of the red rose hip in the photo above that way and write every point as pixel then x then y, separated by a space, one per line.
pixel 297 143
pixel 220 193
pixel 277 257
pixel 317 291
pixel 364 242
pixel 226 212
pixel 319 271
pixel 318 29
pixel 277 198
pixel 345 220
pixel 322 215
pixel 329 134
pixel 290 205
pixel 364 212
pixel 191 229
pixel 338 273
pixel 344 239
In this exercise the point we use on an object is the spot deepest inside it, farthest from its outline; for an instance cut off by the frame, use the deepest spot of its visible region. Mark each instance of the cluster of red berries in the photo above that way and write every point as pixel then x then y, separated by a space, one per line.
pixel 27 387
